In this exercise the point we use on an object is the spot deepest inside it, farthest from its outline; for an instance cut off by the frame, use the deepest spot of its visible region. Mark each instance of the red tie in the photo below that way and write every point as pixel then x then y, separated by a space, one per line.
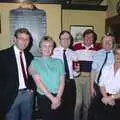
pixel 23 69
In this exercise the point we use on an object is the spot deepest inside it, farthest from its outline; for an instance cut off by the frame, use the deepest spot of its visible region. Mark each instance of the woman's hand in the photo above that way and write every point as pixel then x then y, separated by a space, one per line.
pixel 56 101
pixel 108 100
pixel 112 103
pixel 104 100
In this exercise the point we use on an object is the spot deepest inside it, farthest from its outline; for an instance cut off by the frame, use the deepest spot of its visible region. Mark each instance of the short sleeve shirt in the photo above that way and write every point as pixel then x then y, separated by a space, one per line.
pixel 110 80
pixel 98 59
pixel 50 70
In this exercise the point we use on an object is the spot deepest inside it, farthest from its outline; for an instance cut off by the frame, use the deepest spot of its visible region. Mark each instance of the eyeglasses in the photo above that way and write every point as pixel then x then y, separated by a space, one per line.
pixel 65 38
pixel 108 34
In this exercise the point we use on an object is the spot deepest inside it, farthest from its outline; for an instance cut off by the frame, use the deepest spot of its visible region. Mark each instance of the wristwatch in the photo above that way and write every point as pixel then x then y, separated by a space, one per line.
pixel 113 97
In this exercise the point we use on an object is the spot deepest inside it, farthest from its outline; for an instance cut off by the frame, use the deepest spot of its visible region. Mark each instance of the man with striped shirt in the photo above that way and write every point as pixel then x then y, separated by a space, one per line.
pixel 85 52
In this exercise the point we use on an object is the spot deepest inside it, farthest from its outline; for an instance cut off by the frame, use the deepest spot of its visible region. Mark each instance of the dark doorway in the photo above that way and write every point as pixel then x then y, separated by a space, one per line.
pixel 113 26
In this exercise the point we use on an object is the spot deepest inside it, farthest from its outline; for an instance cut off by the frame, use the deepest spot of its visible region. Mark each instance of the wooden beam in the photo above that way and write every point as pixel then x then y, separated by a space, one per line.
pixel 84 7
pixel 99 2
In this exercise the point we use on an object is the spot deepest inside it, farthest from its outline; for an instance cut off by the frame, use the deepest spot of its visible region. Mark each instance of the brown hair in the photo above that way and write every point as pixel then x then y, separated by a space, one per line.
pixel 71 37
pixel 89 31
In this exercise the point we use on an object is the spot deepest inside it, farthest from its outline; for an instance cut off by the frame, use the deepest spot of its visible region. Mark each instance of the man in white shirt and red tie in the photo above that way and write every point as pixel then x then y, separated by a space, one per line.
pixel 16 87
pixel 85 52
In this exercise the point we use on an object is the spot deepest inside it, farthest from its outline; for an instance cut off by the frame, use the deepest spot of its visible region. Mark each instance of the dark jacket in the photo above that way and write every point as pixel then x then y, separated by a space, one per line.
pixel 9 80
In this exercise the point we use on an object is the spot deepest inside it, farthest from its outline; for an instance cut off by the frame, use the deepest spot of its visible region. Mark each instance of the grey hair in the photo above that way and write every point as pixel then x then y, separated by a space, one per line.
pixel 109 35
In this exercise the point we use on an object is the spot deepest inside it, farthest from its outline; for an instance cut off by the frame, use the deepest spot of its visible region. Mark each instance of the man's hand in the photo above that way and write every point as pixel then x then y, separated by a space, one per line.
pixel 92 91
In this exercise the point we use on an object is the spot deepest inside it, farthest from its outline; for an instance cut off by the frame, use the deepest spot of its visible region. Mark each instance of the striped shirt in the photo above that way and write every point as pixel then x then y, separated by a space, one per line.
pixel 85 56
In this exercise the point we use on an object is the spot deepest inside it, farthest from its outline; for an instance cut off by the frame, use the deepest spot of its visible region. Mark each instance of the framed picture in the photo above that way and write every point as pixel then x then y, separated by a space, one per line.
pixel 77 31
pixel 36 25
pixel 0 24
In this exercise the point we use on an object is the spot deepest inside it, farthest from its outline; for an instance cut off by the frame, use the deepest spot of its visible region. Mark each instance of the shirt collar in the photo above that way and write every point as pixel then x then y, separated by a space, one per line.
pixel 16 49
pixel 63 48
pixel 91 46
pixel 107 51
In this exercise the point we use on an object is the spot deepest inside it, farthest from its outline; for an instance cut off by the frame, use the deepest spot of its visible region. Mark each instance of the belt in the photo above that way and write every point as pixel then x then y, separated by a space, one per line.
pixel 24 89
pixel 85 74
pixel 69 80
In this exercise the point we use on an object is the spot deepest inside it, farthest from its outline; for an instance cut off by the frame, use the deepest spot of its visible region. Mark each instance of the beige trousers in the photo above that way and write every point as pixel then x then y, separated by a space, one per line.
pixel 82 98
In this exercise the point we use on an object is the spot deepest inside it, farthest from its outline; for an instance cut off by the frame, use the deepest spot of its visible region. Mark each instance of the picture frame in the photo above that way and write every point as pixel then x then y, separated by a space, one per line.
pixel 77 31
pixel 0 24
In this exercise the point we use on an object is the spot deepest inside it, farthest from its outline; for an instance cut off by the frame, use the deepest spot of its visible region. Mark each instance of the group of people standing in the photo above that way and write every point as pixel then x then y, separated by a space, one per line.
pixel 64 78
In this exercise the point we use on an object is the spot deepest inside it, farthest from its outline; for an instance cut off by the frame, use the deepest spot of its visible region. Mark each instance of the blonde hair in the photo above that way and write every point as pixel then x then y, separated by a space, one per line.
pixel 109 35
pixel 47 38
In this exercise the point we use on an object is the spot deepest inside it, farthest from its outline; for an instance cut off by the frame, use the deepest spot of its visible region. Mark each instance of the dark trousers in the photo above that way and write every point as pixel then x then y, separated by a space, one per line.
pixel 110 112
pixel 69 98
pixel 44 106
pixel 95 105
pixel 95 109
pixel 2 115
pixel 100 111
pixel 106 112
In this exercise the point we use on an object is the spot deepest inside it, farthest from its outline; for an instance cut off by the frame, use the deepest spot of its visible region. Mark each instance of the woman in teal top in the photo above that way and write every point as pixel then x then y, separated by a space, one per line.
pixel 48 74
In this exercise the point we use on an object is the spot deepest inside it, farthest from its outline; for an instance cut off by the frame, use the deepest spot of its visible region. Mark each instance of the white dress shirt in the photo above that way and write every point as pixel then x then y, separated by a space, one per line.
pixel 110 80
pixel 20 74
pixel 71 56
